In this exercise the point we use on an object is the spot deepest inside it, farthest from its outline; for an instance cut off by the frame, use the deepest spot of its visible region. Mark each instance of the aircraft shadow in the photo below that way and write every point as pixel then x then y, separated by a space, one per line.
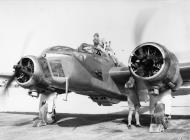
pixel 78 120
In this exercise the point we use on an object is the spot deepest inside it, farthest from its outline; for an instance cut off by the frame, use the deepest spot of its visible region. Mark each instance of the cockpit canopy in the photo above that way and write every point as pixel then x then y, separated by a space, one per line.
pixel 88 48
pixel 84 48
pixel 58 50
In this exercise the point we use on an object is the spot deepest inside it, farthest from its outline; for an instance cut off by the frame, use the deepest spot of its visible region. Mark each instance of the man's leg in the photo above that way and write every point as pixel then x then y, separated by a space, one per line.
pixel 136 107
pixel 130 115
pixel 137 117
pixel 131 109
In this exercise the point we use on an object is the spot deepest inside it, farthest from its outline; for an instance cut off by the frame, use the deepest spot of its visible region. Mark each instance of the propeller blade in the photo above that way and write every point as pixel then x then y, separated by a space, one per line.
pixel 141 23
pixel 9 83
pixel 26 43
pixel 19 67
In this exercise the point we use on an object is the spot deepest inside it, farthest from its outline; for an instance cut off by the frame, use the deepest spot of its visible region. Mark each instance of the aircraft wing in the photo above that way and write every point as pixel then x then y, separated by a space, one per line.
pixel 120 74
pixel 6 75
pixel 181 91
pixel 185 73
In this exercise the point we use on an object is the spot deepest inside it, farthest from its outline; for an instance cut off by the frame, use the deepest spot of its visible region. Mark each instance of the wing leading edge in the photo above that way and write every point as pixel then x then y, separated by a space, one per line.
pixel 185 73
pixel 120 74
pixel 6 75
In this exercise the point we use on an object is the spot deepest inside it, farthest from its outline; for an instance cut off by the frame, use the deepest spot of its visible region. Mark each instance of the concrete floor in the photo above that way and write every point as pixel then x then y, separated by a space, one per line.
pixel 18 126
pixel 80 118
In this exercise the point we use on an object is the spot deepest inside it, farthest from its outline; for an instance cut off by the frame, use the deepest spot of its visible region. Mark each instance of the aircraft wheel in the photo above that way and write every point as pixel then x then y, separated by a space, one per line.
pixel 52 118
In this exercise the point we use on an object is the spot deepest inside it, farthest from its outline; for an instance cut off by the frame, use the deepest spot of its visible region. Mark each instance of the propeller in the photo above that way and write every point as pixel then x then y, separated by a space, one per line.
pixel 8 84
pixel 19 68
pixel 141 23
pixel 12 78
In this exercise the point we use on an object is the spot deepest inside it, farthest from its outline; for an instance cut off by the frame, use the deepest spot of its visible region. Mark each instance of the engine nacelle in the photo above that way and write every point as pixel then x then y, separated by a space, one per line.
pixel 156 65
pixel 28 72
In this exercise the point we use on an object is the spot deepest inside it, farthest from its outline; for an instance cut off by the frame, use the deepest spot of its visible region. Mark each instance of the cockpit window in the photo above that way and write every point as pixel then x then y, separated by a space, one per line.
pixel 45 67
pixel 56 68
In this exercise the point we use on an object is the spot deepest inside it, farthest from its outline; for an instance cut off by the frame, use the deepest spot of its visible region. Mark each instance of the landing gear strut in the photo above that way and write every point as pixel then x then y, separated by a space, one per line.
pixel 160 110
pixel 52 118
pixel 159 120
pixel 45 117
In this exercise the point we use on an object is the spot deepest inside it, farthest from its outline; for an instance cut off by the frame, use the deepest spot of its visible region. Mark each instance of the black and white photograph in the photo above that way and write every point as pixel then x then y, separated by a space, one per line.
pixel 95 69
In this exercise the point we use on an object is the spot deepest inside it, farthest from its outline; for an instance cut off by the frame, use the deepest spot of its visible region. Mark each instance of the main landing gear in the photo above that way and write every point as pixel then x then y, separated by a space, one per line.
pixel 44 117
pixel 160 110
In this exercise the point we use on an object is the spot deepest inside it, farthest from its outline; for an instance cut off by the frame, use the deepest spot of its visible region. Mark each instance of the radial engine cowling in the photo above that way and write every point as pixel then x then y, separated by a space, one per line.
pixel 28 71
pixel 156 65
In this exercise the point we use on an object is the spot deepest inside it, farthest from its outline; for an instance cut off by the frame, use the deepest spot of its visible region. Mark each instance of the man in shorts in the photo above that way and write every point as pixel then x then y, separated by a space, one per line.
pixel 133 102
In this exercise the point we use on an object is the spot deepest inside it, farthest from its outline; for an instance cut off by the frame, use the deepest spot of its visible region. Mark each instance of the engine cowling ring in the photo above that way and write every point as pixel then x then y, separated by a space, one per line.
pixel 147 61
pixel 27 70
pixel 155 65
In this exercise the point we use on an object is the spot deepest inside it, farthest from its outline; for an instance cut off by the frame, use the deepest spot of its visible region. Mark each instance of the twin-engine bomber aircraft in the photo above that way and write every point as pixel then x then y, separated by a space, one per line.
pixel 91 72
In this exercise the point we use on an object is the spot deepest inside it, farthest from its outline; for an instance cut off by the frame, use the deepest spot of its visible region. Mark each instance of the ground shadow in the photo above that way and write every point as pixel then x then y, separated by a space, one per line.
pixel 24 113
pixel 77 120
